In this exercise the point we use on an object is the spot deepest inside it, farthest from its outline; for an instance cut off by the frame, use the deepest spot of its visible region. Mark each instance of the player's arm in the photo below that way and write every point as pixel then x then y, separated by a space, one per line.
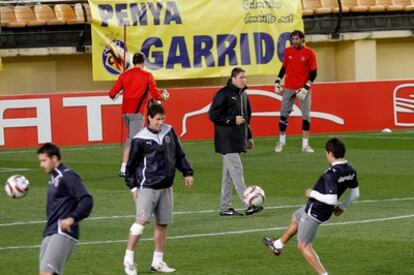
pixel 278 85
pixel 181 162
pixel 118 86
pixel 353 196
pixel 84 201
pixel 303 92
pixel 217 112
pixel 330 199
pixel 135 154
pixel 155 92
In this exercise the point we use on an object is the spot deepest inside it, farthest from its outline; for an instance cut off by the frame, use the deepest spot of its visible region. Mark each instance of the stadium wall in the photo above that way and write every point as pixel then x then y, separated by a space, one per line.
pixel 360 60
pixel 93 118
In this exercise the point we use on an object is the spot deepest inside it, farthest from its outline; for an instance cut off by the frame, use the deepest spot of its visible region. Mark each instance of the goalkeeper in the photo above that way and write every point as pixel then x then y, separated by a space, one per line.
pixel 299 65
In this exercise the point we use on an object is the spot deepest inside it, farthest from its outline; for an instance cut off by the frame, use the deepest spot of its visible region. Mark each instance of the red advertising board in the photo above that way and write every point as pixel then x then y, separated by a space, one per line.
pixel 93 118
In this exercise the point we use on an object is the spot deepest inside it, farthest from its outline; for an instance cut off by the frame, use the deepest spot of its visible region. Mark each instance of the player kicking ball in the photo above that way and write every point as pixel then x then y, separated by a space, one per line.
pixel 320 206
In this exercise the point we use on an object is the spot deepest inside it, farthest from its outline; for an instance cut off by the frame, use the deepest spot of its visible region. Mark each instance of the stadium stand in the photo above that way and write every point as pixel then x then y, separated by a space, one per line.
pixel 83 12
pixel 65 12
pixel 311 7
pixel 8 19
pixel 61 23
pixel 45 13
pixel 25 15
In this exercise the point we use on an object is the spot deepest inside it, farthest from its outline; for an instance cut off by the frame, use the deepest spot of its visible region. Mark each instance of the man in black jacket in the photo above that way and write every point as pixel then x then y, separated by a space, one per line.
pixel 68 202
pixel 155 154
pixel 230 112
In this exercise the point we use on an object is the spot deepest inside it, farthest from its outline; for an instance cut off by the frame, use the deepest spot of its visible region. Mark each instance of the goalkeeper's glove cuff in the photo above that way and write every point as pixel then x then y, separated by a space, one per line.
pixel 277 81
pixel 307 86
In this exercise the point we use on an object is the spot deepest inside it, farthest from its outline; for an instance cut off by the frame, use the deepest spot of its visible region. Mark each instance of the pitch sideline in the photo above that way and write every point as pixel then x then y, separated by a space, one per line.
pixel 197 212
pixel 215 234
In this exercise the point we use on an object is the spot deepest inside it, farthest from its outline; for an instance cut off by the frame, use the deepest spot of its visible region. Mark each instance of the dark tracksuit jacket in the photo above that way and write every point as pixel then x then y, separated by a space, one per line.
pixel 153 158
pixel 67 197
pixel 229 102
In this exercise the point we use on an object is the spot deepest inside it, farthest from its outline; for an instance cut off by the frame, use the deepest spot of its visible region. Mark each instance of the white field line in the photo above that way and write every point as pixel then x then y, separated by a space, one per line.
pixel 195 212
pixel 12 169
pixel 225 233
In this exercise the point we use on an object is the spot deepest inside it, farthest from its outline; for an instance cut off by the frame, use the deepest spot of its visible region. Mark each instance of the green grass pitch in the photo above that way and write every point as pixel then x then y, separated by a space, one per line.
pixel 374 236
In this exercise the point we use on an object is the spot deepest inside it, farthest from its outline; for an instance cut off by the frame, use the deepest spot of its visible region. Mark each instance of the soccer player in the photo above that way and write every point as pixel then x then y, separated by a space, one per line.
pixel 68 202
pixel 299 65
pixel 230 112
pixel 155 154
pixel 136 85
pixel 320 206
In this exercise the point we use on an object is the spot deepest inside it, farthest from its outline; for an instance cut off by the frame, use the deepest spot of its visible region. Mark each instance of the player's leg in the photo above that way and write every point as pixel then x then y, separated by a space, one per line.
pixel 277 245
pixel 226 188
pixel 164 216
pixel 287 104
pixel 144 209
pixel 306 234
pixel 311 257
pixel 305 106
pixel 235 168
pixel 134 123
pixel 55 252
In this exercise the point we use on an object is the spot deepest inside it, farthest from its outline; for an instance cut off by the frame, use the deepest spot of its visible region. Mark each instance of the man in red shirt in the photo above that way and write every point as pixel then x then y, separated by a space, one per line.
pixel 137 87
pixel 299 64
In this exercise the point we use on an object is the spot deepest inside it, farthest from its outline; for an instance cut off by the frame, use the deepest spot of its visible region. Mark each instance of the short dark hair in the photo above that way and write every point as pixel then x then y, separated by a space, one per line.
pixel 50 150
pixel 235 72
pixel 297 33
pixel 155 109
pixel 336 146
pixel 138 58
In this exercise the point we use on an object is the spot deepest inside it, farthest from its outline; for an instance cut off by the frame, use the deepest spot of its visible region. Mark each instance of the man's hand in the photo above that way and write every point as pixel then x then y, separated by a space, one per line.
pixel 338 211
pixel 134 193
pixel 165 95
pixel 66 224
pixel 250 144
pixel 240 120
pixel 188 181
pixel 278 88
pixel 307 192
pixel 302 93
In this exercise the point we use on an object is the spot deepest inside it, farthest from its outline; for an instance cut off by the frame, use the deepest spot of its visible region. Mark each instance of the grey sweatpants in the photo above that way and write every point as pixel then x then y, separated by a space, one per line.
pixel 232 174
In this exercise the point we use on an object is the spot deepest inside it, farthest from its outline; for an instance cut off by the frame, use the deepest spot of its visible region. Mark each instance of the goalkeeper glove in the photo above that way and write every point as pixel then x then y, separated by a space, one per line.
pixel 303 92
pixel 165 95
pixel 278 87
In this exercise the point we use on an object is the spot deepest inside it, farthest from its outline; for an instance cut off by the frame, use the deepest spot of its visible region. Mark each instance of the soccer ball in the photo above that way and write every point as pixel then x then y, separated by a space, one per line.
pixel 254 196
pixel 16 186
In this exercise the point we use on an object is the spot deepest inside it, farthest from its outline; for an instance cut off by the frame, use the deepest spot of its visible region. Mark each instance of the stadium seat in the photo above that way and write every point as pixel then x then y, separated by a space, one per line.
pixel 8 19
pixel 372 5
pixel 45 13
pixel 333 5
pixel 24 14
pixel 408 6
pixel 389 6
pixel 65 12
pixel 354 6
pixel 80 13
pixel 314 7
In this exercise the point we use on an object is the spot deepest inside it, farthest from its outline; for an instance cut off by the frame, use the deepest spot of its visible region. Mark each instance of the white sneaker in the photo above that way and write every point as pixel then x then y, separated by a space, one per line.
pixel 307 149
pixel 130 269
pixel 162 267
pixel 279 147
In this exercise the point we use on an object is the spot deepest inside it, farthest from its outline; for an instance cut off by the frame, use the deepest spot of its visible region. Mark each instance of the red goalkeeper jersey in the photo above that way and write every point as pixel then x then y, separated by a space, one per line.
pixel 298 63
pixel 137 85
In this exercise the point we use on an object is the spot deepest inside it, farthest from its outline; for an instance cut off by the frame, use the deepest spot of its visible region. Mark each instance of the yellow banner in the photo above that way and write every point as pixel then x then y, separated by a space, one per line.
pixel 191 38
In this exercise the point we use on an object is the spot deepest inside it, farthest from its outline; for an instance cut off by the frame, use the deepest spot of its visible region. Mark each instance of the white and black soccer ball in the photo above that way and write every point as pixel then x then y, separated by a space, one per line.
pixel 17 186
pixel 254 196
